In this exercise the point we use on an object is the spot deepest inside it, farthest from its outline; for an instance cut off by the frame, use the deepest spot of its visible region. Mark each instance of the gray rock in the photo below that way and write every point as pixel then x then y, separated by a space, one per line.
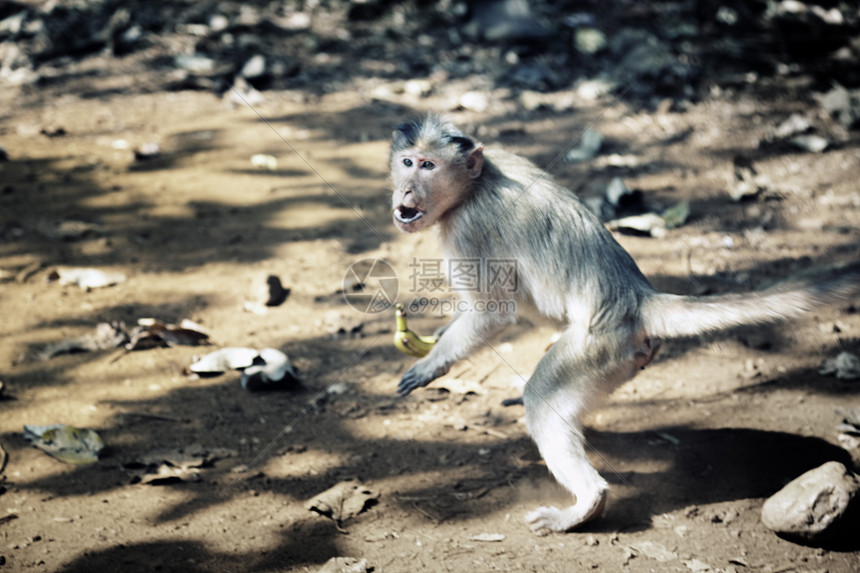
pixel 505 21
pixel 254 68
pixel 842 104
pixel 195 63
pixel 812 143
pixel 616 190
pixel 12 25
pixel 810 505
pixel 589 41
pixel 587 147
pixel 344 565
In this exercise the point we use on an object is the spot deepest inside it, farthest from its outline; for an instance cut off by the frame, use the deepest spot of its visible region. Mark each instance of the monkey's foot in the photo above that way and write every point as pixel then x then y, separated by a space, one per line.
pixel 565 519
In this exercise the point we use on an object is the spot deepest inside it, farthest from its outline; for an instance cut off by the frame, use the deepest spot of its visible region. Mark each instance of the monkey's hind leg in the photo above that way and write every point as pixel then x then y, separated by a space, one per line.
pixel 554 399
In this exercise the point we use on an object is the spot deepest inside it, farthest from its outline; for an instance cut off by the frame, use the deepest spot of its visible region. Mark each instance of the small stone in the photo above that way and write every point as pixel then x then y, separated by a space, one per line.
pixel 277 294
pixel 654 550
pixel 745 182
pixel 418 88
pixel 295 21
pixel 488 537
pixel 615 191
pixel 589 41
pixel 344 565
pixel 218 22
pixel 697 565
pixel 812 143
pixel 794 125
pixel 195 63
pixel 842 104
pixel 845 366
pixel 147 151
pixel 264 161
pixel 12 25
pixel 504 21
pixel 594 89
pixel 254 67
pixel 531 100
pixel 726 15
pixel 810 505
pixel 474 101
pixel 588 146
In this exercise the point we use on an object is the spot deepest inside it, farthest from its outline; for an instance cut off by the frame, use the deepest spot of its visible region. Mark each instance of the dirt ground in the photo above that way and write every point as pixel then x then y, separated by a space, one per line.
pixel 691 447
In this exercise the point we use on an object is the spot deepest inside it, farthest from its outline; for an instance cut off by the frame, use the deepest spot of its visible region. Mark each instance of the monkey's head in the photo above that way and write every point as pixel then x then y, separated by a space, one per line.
pixel 433 167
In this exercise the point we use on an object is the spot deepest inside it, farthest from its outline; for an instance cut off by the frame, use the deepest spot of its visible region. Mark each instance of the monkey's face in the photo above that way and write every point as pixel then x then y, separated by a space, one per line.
pixel 429 184
pixel 425 188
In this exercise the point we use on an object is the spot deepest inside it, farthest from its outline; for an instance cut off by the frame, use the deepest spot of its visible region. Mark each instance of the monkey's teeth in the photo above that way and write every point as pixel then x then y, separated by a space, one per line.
pixel 408 214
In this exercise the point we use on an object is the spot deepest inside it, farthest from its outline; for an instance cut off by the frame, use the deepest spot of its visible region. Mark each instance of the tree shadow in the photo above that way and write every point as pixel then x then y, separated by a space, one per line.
pixel 706 466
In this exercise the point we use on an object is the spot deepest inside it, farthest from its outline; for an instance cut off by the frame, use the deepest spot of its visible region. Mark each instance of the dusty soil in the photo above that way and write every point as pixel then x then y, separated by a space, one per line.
pixel 692 446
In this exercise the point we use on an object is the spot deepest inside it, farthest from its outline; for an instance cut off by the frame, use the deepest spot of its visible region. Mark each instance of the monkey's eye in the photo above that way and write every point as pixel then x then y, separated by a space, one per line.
pixel 427 165
pixel 407 162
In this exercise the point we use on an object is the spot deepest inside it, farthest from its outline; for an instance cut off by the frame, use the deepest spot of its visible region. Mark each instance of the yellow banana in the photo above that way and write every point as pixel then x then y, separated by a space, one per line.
pixel 407 341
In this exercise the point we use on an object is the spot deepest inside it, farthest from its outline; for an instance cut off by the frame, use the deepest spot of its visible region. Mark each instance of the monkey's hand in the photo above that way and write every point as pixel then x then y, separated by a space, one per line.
pixel 421 374
pixel 461 337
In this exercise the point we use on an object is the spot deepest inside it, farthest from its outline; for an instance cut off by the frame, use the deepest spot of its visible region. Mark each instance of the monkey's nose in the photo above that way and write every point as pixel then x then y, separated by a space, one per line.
pixel 409 199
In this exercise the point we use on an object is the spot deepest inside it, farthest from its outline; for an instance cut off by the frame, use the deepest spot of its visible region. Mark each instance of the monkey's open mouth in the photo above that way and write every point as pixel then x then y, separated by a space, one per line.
pixel 408 214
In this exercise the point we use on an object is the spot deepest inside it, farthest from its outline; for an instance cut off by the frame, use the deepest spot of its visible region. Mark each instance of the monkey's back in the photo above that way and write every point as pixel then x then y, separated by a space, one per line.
pixel 568 264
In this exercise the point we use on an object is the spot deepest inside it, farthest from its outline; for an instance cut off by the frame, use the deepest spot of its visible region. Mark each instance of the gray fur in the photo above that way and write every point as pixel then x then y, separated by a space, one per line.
pixel 497 205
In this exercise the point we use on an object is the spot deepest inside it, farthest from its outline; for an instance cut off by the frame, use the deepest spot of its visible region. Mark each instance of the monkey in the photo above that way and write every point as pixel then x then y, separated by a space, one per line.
pixel 492 204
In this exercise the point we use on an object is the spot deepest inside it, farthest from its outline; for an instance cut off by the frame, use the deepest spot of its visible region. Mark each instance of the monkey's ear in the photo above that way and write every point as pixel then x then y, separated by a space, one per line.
pixel 475 162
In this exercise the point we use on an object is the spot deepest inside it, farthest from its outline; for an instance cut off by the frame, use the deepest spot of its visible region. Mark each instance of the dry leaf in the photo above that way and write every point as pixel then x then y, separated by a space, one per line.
pixel 343 501
pixel 66 443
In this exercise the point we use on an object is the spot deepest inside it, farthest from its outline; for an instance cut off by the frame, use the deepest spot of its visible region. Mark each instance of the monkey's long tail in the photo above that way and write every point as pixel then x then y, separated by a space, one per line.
pixel 668 315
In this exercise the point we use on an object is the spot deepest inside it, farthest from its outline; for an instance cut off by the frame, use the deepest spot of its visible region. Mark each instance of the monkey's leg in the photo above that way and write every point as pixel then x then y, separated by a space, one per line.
pixel 554 399
pixel 458 341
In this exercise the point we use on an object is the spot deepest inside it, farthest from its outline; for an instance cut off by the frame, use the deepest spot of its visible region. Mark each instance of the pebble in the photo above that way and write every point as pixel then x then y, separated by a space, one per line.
pixel 195 63
pixel 615 190
pixel 218 22
pixel 531 100
pixel 812 143
pixel 842 104
pixel 845 366
pixel 474 101
pixel 418 88
pixel 344 565
pixel 589 41
pixel 255 67
pixel 488 537
pixel 588 146
pixel 794 125
pixel 593 89
pixel 810 505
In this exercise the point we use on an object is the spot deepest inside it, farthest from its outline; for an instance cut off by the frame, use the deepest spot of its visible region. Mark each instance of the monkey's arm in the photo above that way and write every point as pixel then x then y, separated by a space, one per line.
pixel 460 338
